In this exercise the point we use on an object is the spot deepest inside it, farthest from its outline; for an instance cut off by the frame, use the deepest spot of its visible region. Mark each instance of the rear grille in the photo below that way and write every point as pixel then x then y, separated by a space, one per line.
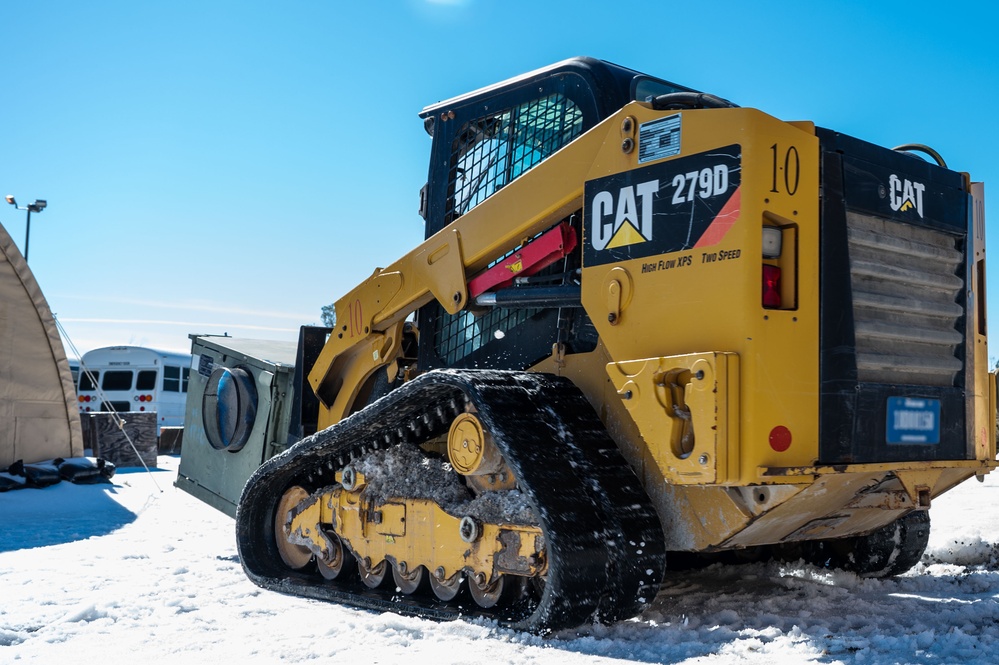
pixel 906 290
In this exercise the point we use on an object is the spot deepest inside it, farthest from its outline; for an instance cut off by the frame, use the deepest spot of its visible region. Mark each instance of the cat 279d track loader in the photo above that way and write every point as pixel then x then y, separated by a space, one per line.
pixel 644 321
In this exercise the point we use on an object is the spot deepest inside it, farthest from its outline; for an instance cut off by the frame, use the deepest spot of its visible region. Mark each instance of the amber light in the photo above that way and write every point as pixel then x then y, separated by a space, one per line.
pixel 771 286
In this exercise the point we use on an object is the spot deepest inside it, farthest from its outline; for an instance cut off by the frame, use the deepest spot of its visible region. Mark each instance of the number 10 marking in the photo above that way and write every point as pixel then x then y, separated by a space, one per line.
pixel 791 163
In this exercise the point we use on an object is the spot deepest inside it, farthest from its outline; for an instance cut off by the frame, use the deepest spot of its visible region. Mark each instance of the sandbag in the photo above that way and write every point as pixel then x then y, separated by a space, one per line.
pixel 78 470
pixel 7 484
pixel 39 474
pixel 84 471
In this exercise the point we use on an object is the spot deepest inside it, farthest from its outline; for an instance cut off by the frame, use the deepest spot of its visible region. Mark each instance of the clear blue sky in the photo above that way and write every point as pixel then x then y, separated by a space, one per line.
pixel 233 166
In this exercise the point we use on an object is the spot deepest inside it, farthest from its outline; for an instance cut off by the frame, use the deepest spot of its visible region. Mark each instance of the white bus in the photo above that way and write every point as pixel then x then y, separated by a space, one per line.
pixel 133 378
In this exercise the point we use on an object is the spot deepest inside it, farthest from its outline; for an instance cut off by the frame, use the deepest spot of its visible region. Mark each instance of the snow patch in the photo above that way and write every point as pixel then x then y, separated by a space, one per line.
pixel 971 552
pixel 88 599
pixel 389 472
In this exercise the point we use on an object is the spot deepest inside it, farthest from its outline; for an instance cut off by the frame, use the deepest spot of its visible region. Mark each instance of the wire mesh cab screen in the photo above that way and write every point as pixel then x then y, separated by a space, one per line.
pixel 490 152
pixel 486 154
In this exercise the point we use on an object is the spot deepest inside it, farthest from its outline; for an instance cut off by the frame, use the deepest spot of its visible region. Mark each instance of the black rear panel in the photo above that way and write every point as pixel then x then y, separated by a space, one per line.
pixel 894 233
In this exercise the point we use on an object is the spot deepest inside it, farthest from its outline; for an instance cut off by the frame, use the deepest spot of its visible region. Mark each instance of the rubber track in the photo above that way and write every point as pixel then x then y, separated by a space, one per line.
pixel 604 540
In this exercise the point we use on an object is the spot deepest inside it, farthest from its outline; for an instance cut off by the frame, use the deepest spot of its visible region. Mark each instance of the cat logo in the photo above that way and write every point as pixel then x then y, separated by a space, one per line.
pixel 626 221
pixel 686 202
pixel 905 195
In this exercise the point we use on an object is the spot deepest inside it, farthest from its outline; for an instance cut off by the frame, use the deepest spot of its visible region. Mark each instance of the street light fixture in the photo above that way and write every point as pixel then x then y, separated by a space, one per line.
pixel 37 206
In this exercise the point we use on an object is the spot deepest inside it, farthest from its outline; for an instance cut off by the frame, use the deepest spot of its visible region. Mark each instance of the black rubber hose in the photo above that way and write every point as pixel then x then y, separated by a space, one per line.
pixel 919 147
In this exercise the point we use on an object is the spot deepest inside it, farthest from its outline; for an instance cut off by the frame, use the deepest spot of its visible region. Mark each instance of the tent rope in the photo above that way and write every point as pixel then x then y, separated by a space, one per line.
pixel 118 420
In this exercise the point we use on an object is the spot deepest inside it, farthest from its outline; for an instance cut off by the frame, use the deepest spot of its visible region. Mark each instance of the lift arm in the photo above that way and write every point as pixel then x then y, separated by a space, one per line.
pixel 370 317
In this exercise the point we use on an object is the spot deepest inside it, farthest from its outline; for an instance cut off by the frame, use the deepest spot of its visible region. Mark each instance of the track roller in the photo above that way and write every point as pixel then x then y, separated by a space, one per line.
pixel 446 588
pixel 340 561
pixel 407 581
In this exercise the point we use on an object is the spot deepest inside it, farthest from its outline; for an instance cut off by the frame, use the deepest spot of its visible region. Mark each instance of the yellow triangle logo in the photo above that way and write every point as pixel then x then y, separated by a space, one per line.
pixel 906 206
pixel 626 235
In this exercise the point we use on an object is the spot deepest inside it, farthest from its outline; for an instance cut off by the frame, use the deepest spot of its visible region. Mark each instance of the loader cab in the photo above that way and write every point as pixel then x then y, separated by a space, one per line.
pixel 487 138
pixel 484 140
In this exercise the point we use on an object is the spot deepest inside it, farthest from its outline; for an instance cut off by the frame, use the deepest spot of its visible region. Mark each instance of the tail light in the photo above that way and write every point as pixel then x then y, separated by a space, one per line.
pixel 771 286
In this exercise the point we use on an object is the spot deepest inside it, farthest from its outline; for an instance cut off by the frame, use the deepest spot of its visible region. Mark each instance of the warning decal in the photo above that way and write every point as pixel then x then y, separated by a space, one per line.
pixel 666 207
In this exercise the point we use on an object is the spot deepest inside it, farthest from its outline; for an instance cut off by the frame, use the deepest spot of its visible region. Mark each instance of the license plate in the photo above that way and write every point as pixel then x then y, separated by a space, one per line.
pixel 913 420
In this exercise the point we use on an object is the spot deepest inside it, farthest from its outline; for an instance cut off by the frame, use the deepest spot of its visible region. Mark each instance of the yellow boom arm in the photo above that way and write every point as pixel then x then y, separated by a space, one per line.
pixel 369 318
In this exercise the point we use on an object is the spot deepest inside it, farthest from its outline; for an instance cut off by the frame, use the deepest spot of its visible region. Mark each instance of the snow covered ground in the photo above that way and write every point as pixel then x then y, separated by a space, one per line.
pixel 139 571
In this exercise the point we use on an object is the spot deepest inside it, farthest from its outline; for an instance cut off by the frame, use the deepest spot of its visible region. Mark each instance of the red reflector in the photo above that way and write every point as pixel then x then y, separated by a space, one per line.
pixel 780 438
pixel 771 286
pixel 142 408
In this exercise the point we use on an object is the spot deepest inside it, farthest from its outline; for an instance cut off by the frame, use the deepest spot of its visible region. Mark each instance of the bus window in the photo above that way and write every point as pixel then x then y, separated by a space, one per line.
pixel 86 383
pixel 117 379
pixel 171 379
pixel 146 380
pixel 185 375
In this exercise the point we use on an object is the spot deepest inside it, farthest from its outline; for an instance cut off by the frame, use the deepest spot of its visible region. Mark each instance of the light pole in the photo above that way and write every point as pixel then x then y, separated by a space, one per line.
pixel 37 206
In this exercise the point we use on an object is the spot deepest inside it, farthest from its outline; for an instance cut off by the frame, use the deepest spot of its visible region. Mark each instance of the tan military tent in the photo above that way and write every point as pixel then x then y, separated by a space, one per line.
pixel 39 419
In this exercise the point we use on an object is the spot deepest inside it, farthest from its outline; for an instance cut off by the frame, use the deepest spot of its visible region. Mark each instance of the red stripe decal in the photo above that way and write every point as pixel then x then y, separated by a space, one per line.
pixel 723 221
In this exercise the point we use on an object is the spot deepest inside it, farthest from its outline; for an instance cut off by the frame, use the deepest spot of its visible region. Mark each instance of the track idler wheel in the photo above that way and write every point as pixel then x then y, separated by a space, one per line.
pixel 294 556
